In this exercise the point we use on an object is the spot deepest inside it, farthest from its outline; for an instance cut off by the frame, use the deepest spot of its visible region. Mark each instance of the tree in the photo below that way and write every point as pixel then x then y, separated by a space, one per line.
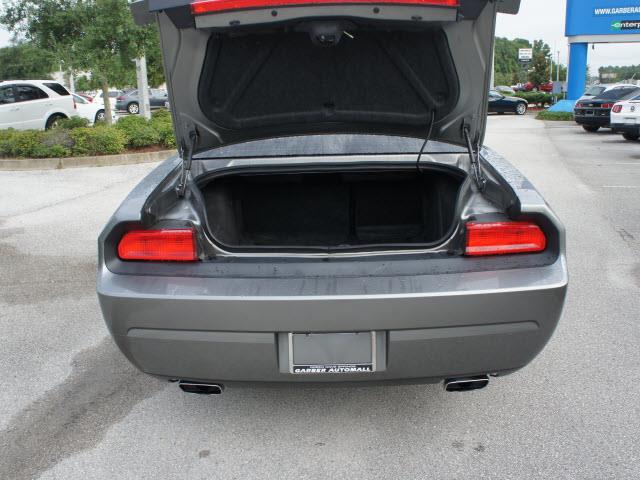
pixel 540 64
pixel 25 60
pixel 98 36
pixel 508 70
pixel 619 73
pixel 52 25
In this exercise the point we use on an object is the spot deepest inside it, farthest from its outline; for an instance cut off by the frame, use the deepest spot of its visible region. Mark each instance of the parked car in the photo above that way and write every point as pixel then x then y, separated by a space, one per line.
pixel 504 90
pixel 625 118
pixel 130 101
pixel 93 112
pixel 596 90
pixel 499 103
pixel 34 104
pixel 543 87
pixel 546 87
pixel 86 96
pixel 595 113
pixel 113 95
pixel 312 230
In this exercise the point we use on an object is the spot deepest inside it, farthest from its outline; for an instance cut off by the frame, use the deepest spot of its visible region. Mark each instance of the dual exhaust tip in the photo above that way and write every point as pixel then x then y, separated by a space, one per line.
pixel 450 385
pixel 201 388
pixel 466 384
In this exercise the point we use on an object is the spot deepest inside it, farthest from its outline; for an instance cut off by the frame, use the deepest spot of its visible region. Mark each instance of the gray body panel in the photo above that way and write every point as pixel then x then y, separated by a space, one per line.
pixel 429 312
pixel 228 325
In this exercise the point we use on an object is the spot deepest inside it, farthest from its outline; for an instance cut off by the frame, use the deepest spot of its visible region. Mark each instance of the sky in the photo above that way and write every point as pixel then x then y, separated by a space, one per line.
pixel 544 19
pixel 538 19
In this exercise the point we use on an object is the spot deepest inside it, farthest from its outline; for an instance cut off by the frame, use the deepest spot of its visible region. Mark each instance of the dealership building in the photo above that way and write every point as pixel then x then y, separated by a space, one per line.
pixel 597 21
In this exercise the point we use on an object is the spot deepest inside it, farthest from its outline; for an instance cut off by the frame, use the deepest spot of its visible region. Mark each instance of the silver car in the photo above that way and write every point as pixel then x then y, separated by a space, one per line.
pixel 333 215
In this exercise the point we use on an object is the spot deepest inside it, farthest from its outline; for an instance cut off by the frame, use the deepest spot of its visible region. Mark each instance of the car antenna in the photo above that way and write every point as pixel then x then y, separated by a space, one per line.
pixel 426 140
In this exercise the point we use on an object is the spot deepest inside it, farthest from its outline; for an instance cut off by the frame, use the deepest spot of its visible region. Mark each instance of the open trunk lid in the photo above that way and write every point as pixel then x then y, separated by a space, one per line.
pixel 240 70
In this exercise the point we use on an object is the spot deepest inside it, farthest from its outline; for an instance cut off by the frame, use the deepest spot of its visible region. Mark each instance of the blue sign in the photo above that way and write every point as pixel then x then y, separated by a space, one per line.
pixel 602 17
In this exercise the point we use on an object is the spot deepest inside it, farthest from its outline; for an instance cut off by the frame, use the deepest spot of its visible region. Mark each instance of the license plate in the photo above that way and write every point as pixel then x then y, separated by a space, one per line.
pixel 332 353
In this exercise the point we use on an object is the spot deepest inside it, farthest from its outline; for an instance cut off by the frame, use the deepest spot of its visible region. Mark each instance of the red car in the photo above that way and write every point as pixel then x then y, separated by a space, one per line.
pixel 543 87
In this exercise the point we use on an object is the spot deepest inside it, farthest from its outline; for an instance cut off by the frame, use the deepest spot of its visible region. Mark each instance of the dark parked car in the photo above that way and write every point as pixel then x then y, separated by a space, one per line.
pixel 595 113
pixel 334 216
pixel 499 103
pixel 131 103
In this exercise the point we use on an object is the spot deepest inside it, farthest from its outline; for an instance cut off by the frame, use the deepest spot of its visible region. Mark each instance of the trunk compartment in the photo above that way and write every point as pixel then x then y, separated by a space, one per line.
pixel 327 210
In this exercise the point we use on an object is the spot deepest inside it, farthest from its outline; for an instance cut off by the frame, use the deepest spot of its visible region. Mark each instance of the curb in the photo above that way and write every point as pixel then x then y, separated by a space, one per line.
pixel 7 164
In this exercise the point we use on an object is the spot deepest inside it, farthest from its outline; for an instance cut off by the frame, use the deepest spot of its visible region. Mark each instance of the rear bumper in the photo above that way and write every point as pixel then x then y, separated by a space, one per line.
pixel 626 128
pixel 595 120
pixel 432 326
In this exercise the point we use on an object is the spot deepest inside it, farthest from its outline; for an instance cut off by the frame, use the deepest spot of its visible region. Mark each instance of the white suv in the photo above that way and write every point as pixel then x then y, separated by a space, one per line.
pixel 34 104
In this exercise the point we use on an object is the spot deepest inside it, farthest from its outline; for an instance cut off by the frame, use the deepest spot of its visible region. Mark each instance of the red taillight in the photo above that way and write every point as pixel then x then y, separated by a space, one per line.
pixel 501 238
pixel 120 99
pixel 213 6
pixel 159 245
pixel 617 108
pixel 579 105
pixel 606 105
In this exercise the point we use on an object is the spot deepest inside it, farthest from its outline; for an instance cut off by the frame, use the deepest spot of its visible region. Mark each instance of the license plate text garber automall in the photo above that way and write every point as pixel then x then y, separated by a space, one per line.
pixel 302 369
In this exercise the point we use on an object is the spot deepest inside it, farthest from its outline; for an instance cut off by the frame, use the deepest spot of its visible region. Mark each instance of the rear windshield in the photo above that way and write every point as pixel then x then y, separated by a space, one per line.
pixel 618 93
pixel 595 90
pixel 56 87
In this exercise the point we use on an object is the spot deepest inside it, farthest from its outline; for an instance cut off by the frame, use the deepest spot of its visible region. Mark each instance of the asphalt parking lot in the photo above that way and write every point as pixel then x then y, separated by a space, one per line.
pixel 72 407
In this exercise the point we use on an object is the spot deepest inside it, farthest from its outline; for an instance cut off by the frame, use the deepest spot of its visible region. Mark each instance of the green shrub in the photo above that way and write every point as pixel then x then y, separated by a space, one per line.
pixel 131 122
pixel 536 98
pixel 166 135
pixel 162 123
pixel 74 138
pixel 34 144
pixel 98 140
pixel 27 144
pixel 138 131
pixel 58 151
pixel 57 136
pixel 73 122
pixel 555 116
pixel 6 142
pixel 161 114
pixel 22 144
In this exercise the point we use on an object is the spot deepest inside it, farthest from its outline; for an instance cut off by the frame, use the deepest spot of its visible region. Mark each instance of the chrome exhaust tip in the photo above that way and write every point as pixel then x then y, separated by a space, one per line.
pixel 466 384
pixel 201 388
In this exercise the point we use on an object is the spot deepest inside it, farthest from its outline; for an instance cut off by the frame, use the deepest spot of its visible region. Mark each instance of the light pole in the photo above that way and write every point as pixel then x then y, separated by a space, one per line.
pixel 143 87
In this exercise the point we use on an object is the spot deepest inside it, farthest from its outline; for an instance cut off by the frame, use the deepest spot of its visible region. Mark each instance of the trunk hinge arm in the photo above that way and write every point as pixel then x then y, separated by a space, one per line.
pixel 474 156
pixel 187 159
